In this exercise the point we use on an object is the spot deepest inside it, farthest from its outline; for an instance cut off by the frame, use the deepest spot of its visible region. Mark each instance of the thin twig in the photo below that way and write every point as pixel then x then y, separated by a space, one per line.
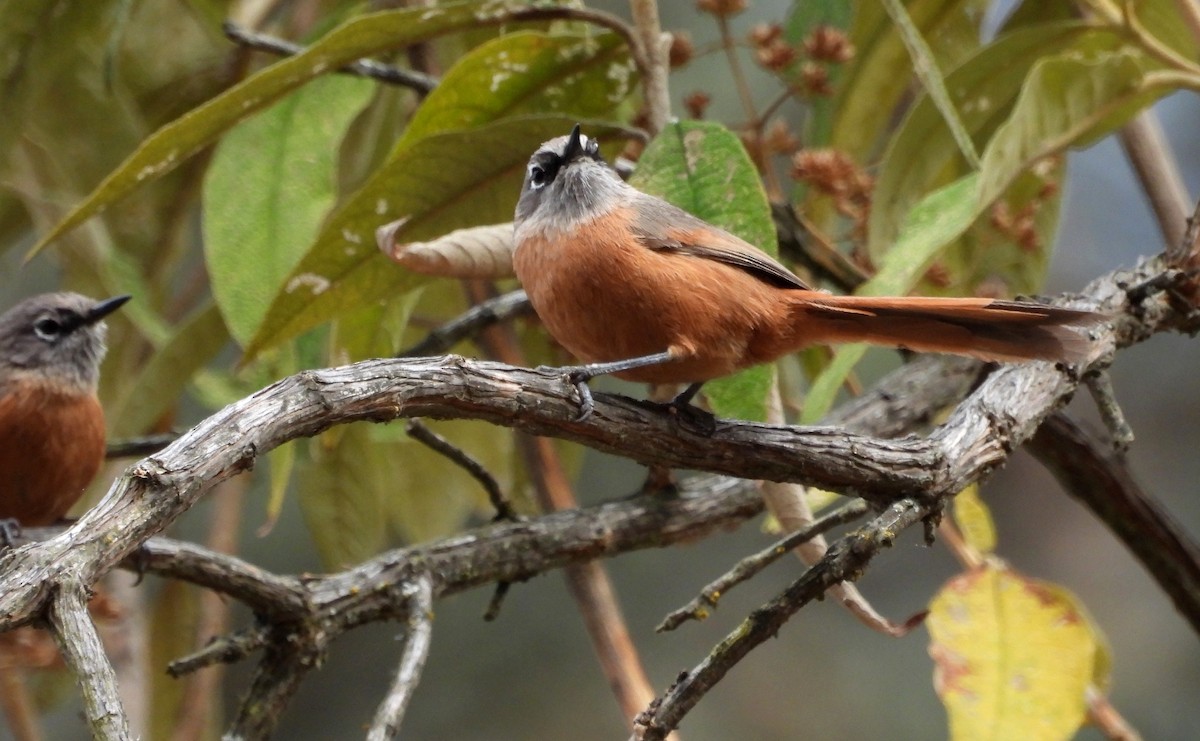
pixel 846 559
pixel 1092 472
pixel 1100 385
pixel 139 447
pixel 461 458
pixel 492 611
pixel 363 68
pixel 227 649
pixel 1187 250
pixel 479 317
pixel 789 505
pixel 700 607
pixel 1105 717
pixel 417 641
pixel 81 648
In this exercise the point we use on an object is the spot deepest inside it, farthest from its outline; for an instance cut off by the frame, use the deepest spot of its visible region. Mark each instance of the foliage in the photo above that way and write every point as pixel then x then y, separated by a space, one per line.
pixel 238 198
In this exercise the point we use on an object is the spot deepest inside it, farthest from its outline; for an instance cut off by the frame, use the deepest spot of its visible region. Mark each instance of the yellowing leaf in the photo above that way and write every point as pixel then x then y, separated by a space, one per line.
pixel 1014 657
pixel 974 520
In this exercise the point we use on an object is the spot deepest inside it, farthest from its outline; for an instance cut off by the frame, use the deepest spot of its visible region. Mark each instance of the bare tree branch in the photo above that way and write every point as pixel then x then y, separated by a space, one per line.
pixel 291 652
pixel 1004 410
pixel 845 560
pixel 82 650
pixel 1095 474
pixel 416 649
pixel 700 607
pixel 651 50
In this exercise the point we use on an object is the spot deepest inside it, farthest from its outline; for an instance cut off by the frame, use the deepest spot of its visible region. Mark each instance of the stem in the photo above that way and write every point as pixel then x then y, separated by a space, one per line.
pixel 653 48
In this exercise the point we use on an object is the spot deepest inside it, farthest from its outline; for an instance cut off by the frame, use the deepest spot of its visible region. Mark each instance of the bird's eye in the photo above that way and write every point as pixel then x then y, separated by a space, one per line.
pixel 48 329
pixel 537 176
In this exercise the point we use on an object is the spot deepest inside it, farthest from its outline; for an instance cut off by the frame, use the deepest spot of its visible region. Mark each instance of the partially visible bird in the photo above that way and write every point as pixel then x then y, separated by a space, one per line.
pixel 51 423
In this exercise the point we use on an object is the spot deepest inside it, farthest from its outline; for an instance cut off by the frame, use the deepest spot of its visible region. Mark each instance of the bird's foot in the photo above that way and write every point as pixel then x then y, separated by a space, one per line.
pixel 578 376
pixel 688 413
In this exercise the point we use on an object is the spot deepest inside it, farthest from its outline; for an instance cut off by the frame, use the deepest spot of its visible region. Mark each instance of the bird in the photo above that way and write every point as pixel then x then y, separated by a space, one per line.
pixel 636 287
pixel 51 422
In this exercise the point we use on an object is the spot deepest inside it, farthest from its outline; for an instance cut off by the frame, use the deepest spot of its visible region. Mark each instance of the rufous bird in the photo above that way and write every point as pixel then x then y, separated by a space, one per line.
pixel 638 288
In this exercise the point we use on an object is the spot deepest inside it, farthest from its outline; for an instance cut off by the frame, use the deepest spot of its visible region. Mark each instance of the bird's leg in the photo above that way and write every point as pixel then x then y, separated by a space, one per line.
pixel 579 375
pixel 684 399
pixel 10 532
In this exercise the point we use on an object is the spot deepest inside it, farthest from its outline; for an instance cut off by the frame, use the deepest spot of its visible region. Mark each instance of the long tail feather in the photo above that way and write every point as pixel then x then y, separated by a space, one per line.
pixel 982 328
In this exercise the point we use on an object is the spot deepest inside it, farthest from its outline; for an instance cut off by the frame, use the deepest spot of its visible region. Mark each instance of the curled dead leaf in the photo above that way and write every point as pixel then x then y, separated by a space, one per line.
pixel 477 252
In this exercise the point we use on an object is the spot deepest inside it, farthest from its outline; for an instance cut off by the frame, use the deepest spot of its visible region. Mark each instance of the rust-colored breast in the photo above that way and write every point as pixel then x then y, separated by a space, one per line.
pixel 51 446
pixel 604 295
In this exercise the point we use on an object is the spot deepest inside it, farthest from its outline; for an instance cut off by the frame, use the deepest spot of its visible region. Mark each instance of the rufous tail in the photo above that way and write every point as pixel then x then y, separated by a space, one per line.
pixel 982 328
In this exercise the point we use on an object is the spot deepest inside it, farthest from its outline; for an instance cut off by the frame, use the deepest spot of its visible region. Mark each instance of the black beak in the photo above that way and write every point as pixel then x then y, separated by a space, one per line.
pixel 574 146
pixel 104 308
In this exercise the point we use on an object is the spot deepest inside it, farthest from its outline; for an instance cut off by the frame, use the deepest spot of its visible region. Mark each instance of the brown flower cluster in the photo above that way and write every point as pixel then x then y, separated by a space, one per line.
pixel 771 50
pixel 682 50
pixel 697 103
pixel 835 174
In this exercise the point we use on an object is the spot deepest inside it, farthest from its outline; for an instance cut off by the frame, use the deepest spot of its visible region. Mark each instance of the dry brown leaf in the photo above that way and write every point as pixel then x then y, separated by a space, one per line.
pixel 477 252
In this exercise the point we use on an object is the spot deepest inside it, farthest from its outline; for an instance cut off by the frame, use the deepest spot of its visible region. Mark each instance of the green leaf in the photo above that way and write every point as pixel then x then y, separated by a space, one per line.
pixel 878 77
pixel 170 145
pixel 442 177
pixel 983 90
pixel 162 379
pixel 1014 656
pixel 270 183
pixel 931 78
pixel 1068 100
pixel 933 223
pixel 439 183
pixel 703 168
pixel 583 76
pixel 342 490
pixel 431 496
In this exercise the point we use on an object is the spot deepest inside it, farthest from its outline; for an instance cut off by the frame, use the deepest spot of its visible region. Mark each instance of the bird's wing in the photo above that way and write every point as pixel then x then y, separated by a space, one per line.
pixel 667 228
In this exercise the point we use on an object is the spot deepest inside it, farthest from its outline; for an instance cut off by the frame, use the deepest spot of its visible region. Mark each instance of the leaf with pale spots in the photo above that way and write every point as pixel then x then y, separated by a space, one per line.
pixel 440 183
pixel 458 164
pixel 271 182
